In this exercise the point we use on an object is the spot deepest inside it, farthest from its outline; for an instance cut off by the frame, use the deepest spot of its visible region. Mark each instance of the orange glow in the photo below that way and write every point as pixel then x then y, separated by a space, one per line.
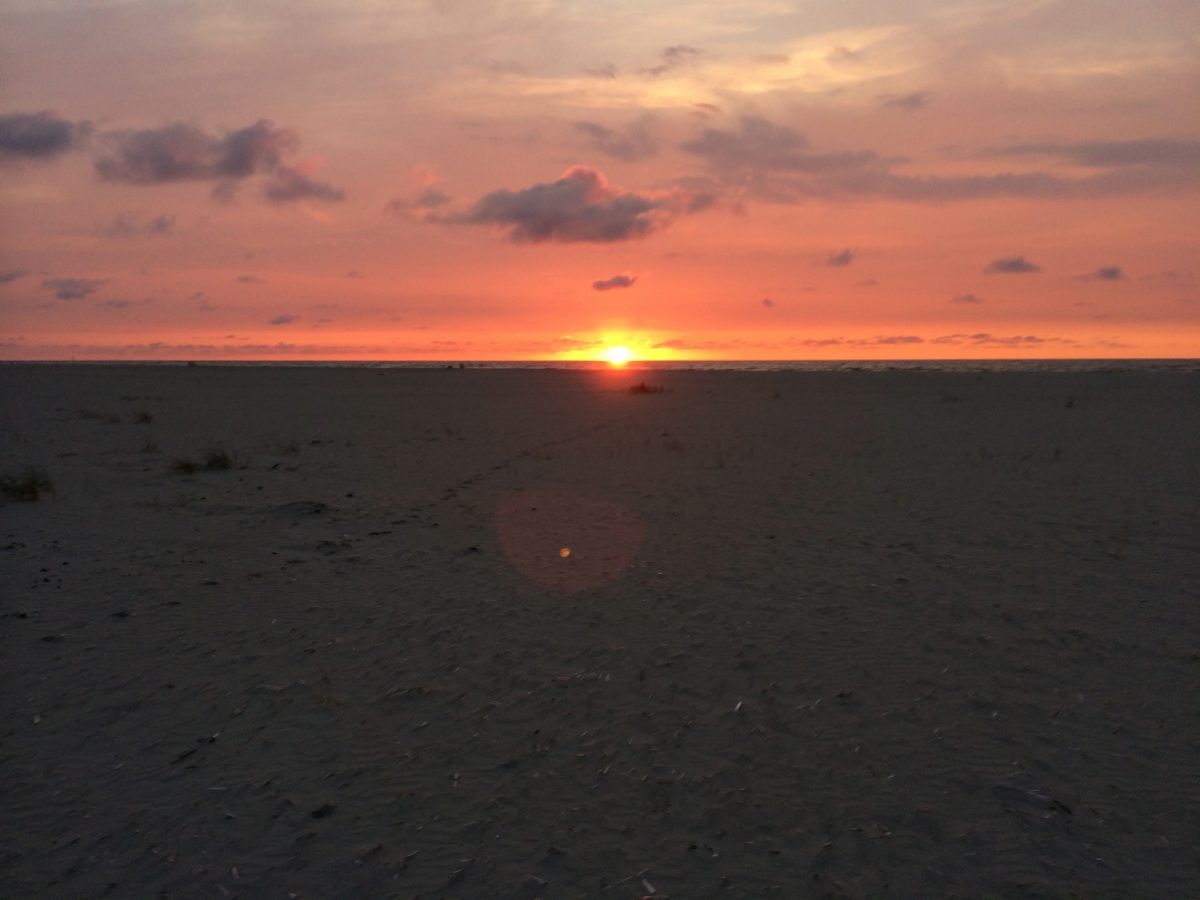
pixel 618 355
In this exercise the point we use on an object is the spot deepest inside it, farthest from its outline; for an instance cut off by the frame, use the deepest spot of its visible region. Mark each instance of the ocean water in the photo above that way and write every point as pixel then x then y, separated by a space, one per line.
pixel 799 365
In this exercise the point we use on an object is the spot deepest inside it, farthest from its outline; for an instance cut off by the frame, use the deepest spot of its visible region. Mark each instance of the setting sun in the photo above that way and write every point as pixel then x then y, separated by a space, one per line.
pixel 618 355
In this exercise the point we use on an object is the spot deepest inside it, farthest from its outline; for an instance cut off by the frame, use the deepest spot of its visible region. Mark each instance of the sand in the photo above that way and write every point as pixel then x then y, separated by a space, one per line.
pixel 529 634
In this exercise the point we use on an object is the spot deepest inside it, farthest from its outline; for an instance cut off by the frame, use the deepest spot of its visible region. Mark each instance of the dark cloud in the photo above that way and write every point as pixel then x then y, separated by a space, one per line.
pixel 768 302
pixel 634 143
pixel 1108 273
pixel 37 136
pixel 249 279
pixel 354 274
pixel 283 320
pixel 966 298
pixel 580 206
pixel 182 152
pixel 1011 265
pixel 288 185
pixel 842 259
pixel 913 101
pixel 1113 154
pixel 74 288
pixel 124 304
pixel 12 275
pixel 617 281
pixel 128 225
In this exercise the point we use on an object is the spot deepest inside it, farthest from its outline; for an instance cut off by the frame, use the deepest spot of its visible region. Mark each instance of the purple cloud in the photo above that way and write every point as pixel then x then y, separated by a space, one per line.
pixel 617 281
pixel 580 206
pixel 38 136
pixel 289 185
pixel 1012 265
pixel 74 288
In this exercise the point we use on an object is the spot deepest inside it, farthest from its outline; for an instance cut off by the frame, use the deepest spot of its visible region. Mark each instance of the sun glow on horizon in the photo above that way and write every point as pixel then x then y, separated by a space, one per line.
pixel 618 355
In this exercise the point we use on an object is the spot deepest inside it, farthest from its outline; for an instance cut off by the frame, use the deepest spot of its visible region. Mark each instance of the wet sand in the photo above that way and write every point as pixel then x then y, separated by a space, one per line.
pixel 528 634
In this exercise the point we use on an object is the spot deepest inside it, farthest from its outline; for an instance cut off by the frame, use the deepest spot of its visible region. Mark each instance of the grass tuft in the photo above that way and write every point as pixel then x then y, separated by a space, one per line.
pixel 26 487
pixel 218 458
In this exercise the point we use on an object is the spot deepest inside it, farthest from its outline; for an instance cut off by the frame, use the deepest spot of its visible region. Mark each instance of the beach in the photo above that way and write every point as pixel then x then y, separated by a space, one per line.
pixel 351 632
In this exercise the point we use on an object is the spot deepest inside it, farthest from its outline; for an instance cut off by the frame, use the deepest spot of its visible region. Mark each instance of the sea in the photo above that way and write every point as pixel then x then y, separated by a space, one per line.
pixel 777 365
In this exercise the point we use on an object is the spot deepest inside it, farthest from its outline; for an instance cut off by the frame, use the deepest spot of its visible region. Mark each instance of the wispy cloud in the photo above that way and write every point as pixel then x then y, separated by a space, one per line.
pixel 673 57
pixel 635 142
pixel 74 288
pixel 843 258
pixel 12 275
pixel 286 319
pixel 129 225
pixel 910 102
pixel 1107 273
pixel 968 299
pixel 288 185
pixel 775 163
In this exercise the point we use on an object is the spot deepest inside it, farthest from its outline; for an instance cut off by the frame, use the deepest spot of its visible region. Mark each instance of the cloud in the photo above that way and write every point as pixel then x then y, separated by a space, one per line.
pixel 289 185
pixel 249 279
pixel 353 273
pixel 1112 154
pixel 182 152
pixel 984 339
pixel 673 57
pixel 913 101
pixel 429 199
pixel 775 163
pixel 12 275
pixel 74 288
pixel 635 143
pixel 768 302
pixel 617 281
pixel 1107 273
pixel 580 206
pixel 842 259
pixel 125 304
pixel 966 298
pixel 128 225
pixel 761 144
pixel 38 136
pixel 1012 265
pixel 606 71
pixel 283 320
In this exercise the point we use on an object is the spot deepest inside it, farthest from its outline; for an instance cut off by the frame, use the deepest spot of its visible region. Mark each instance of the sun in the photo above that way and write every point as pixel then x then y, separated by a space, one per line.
pixel 618 355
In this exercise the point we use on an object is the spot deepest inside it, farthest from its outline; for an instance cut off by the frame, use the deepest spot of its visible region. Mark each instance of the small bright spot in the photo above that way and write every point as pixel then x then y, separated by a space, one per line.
pixel 564 552
pixel 618 355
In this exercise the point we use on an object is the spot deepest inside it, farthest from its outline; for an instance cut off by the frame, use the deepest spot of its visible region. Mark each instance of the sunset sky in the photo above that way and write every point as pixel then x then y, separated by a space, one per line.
pixel 516 179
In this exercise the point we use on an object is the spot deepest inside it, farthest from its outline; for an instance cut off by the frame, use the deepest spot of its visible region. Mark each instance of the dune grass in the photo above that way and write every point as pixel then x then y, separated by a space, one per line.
pixel 27 487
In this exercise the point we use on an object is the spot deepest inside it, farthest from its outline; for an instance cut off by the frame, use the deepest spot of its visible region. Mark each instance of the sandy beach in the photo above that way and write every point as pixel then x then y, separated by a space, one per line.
pixel 524 634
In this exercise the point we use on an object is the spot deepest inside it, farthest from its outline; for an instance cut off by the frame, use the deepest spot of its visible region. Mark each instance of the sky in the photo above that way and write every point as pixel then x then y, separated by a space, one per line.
pixel 547 179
